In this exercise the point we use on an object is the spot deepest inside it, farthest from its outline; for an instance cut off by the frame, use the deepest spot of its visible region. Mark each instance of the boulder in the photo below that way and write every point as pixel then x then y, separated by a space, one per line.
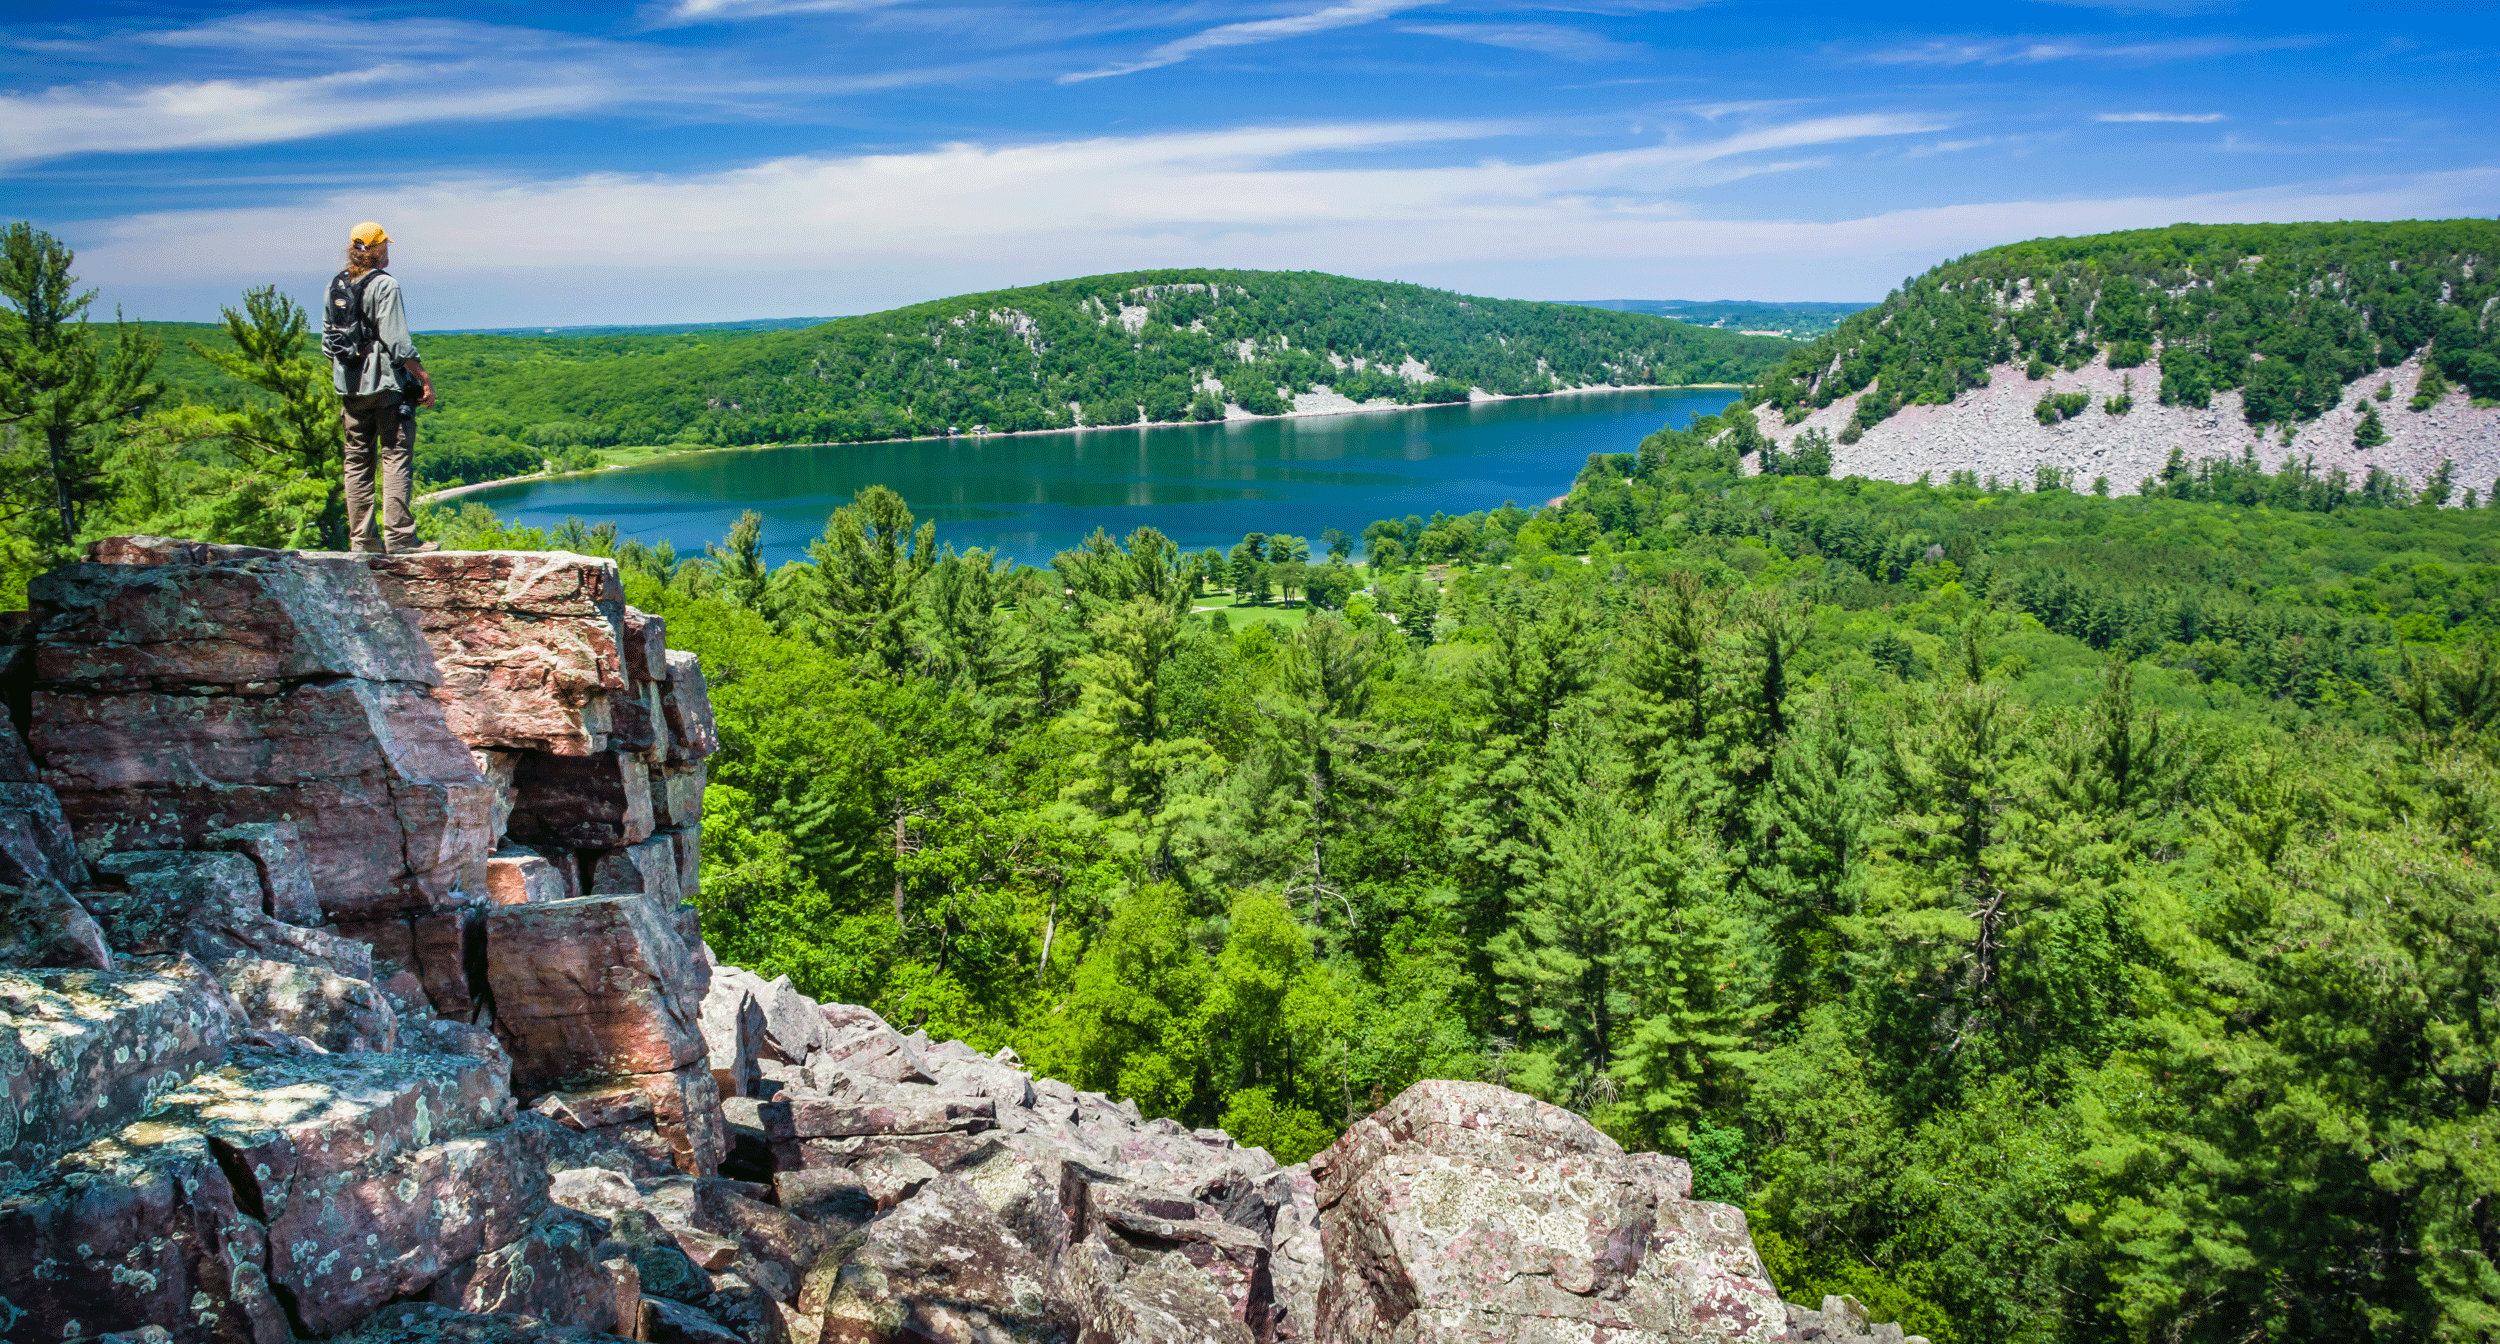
pixel 519 875
pixel 311 1004
pixel 42 926
pixel 208 905
pixel 669 1121
pixel 939 1268
pixel 276 849
pixel 598 801
pixel 677 794
pixel 527 642
pixel 139 1228
pixel 646 647
pixel 665 1321
pixel 443 950
pixel 551 1272
pixel 1842 1320
pixel 427 1323
pixel 499 769
pixel 1462 1211
pixel 255 622
pixel 687 705
pixel 593 988
pixel 35 840
pixel 85 1052
pixel 1163 1301
pixel 634 722
pixel 645 869
pixel 815 1118
pixel 686 847
pixel 375 1174
pixel 1144 1225
pixel 858 1041
pixel 390 807
pixel 793 1025
pixel 733 1031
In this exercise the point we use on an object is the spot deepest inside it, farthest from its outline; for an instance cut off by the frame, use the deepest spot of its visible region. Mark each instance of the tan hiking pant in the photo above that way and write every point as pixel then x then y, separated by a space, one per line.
pixel 381 431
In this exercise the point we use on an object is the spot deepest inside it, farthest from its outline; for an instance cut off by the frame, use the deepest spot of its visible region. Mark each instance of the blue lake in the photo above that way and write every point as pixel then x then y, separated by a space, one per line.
pixel 1029 496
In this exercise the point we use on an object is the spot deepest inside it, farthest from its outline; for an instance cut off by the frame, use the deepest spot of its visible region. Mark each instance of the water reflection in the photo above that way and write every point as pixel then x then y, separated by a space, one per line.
pixel 1204 485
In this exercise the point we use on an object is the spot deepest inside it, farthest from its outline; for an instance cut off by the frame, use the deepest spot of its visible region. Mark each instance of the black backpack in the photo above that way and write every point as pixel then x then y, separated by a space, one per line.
pixel 347 334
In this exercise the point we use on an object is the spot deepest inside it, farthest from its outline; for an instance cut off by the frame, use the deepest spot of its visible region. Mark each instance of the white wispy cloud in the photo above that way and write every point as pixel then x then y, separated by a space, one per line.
pixel 437 70
pixel 711 11
pixel 2036 50
pixel 2193 118
pixel 1251 33
pixel 1545 39
pixel 863 231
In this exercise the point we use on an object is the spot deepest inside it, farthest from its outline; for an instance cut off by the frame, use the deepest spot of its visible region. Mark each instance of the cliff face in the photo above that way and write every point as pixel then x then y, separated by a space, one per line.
pixel 1994 431
pixel 349 989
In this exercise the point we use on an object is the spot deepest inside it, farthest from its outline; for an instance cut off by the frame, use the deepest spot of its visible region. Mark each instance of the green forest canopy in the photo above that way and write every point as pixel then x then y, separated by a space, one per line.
pixel 2287 313
pixel 1040 357
pixel 2054 918
pixel 1796 321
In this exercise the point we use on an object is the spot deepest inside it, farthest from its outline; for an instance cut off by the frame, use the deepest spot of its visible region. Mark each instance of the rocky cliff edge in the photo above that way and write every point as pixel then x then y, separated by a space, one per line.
pixel 349 989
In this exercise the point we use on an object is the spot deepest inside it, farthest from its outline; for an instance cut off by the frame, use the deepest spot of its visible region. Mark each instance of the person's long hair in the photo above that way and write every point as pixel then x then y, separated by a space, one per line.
pixel 361 258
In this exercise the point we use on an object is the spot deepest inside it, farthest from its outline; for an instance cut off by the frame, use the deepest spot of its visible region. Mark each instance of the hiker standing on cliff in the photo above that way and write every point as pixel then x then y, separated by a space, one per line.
pixel 374 365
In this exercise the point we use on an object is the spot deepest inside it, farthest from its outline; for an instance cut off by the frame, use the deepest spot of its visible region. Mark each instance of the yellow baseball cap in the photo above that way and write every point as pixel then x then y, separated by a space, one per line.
pixel 368 233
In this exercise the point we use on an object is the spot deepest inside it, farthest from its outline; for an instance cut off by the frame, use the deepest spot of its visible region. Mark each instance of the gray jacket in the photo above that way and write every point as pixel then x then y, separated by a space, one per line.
pixel 379 370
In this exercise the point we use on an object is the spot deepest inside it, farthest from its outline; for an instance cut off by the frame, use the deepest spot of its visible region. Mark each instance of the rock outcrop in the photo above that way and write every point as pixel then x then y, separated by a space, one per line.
pixel 1991 430
pixel 349 989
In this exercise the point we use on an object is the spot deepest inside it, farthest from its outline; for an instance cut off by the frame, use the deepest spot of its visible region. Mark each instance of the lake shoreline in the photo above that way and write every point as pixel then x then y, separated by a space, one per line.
pixel 454 492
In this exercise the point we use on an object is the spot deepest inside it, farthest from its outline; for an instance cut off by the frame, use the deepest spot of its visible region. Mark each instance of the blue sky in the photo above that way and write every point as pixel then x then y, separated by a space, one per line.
pixel 687 160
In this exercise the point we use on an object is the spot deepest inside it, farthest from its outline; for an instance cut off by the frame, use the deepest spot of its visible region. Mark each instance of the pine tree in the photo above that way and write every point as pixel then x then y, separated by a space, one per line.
pixel 56 378
pixel 2369 433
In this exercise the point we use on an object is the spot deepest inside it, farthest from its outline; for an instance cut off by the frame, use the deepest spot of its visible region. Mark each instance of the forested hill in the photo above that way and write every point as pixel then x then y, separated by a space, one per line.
pixel 1105 350
pixel 2359 345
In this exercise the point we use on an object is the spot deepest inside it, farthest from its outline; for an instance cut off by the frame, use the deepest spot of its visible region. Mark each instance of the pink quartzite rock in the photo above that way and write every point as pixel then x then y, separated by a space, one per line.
pixel 141 1228
pixel 35 840
pixel 83 1053
pixel 440 949
pixel 141 549
pixel 686 845
pixel 939 1268
pixel 276 848
pixel 497 768
pixel 208 905
pixel 793 1026
pixel 634 722
pixel 677 794
pixel 1465 1212
pixel 646 646
pixel 374 1173
pixel 392 811
pixel 120 627
pixel 856 1040
pixel 733 1031
pixel 592 989
pixel 527 641
pixel 687 704
pixel 425 1323
pixel 551 1273
pixel 645 869
pixel 517 875
pixel 330 1010
pixel 816 1119
pixel 1164 1301
pixel 581 802
pixel 44 926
